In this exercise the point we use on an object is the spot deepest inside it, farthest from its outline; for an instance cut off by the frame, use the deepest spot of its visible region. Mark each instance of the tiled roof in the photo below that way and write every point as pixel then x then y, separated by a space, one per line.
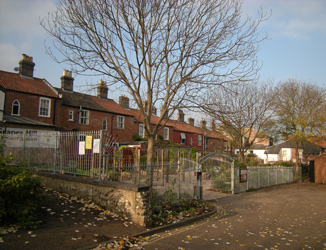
pixel 16 82
pixel 111 106
pixel 185 127
pixel 76 99
pixel 309 147
pixel 154 119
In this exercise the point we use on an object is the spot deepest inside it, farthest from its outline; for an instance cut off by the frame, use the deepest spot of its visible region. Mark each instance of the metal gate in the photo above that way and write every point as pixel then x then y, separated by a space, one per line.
pixel 218 172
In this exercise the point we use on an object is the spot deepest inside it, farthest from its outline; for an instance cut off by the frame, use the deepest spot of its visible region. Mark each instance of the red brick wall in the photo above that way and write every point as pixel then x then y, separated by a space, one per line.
pixel 29 106
pixel 320 169
pixel 95 123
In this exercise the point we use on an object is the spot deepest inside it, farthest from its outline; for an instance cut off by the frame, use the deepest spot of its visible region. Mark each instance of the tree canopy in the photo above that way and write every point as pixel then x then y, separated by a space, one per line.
pixel 162 52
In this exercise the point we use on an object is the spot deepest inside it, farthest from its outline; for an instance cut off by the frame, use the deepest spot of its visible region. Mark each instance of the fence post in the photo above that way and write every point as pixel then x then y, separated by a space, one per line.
pixel 179 182
pixel 100 156
pixel 248 177
pixel 232 177
pixel 258 177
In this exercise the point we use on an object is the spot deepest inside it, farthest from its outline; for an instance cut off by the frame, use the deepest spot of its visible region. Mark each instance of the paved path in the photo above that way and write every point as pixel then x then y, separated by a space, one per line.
pixel 291 216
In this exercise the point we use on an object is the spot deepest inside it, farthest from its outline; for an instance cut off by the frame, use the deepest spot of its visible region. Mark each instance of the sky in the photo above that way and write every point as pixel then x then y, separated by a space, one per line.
pixel 295 47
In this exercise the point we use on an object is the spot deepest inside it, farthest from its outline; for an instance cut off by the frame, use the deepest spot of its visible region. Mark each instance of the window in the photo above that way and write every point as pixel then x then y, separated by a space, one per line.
pixel 141 131
pixel 190 141
pixel 120 122
pixel 183 138
pixel 166 133
pixel 84 117
pixel 199 140
pixel 44 107
pixel 71 115
pixel 15 108
pixel 104 124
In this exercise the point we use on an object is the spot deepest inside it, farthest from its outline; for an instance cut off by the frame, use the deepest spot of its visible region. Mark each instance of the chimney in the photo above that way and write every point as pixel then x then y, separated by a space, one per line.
pixel 154 111
pixel 181 116
pixel 203 123
pixel 124 101
pixel 213 127
pixel 191 121
pixel 67 82
pixel 102 90
pixel 166 115
pixel 26 66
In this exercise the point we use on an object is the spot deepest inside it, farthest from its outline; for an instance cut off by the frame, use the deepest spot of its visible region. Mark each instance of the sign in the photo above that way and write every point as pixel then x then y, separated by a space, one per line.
pixel 29 138
pixel 88 142
pixel 81 150
pixel 96 146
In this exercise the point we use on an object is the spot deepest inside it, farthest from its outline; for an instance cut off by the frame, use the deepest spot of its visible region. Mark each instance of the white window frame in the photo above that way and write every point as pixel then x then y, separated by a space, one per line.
pixel 12 107
pixel 200 140
pixel 84 119
pixel 120 122
pixel 104 124
pixel 141 130
pixel 166 134
pixel 70 115
pixel 182 138
pixel 43 109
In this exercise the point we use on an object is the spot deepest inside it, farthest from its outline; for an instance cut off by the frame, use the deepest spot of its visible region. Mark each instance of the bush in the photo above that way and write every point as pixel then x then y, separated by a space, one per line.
pixel 20 194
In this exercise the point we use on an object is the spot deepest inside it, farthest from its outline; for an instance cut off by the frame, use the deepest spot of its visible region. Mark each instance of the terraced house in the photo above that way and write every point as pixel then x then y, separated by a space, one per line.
pixel 31 103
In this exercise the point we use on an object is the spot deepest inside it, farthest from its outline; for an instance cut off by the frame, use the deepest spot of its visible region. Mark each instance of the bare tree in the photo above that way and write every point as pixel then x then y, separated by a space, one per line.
pixel 301 109
pixel 244 112
pixel 163 52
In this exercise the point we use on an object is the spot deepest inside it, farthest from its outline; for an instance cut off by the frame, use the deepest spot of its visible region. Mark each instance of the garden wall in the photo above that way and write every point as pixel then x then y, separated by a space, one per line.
pixel 121 198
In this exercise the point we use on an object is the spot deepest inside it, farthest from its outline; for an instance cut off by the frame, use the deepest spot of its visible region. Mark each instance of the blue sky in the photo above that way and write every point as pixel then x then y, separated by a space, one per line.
pixel 295 49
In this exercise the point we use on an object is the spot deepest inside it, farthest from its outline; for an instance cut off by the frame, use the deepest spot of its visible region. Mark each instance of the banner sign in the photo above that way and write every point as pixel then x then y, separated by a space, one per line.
pixel 29 138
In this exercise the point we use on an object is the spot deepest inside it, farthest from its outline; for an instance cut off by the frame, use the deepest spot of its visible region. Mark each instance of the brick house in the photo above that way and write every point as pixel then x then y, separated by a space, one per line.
pixel 82 112
pixel 28 102
pixel 32 103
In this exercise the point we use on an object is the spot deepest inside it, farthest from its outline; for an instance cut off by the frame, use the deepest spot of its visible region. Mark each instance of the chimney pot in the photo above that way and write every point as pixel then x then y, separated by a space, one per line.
pixel 191 121
pixel 124 101
pixel 102 90
pixel 67 82
pixel 26 66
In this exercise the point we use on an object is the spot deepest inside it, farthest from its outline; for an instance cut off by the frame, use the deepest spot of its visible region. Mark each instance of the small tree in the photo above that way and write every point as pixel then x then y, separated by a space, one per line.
pixel 244 112
pixel 162 52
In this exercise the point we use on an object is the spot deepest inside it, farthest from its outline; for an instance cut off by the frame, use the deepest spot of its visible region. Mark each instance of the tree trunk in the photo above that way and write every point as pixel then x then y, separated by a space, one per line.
pixel 150 149
pixel 150 159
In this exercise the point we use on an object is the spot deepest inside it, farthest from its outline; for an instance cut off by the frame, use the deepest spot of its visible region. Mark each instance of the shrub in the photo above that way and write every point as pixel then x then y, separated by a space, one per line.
pixel 20 194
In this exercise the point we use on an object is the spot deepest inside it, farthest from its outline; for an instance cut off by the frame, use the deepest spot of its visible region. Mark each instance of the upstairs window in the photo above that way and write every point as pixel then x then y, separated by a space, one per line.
pixel 200 140
pixel 120 122
pixel 141 131
pixel 166 133
pixel 84 117
pixel 15 108
pixel 44 107
pixel 183 138
pixel 71 115
pixel 104 125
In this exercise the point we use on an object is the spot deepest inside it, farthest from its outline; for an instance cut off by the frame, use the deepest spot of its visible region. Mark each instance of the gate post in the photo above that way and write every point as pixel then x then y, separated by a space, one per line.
pixel 100 156
pixel 232 177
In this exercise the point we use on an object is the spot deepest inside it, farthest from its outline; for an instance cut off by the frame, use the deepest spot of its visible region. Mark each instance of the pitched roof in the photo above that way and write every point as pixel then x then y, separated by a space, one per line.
pixel 154 119
pixel 111 106
pixel 185 127
pixel 75 99
pixel 31 85
pixel 309 147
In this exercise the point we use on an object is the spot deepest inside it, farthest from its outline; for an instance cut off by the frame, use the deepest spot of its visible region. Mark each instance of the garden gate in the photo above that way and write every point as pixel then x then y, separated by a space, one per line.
pixel 218 169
